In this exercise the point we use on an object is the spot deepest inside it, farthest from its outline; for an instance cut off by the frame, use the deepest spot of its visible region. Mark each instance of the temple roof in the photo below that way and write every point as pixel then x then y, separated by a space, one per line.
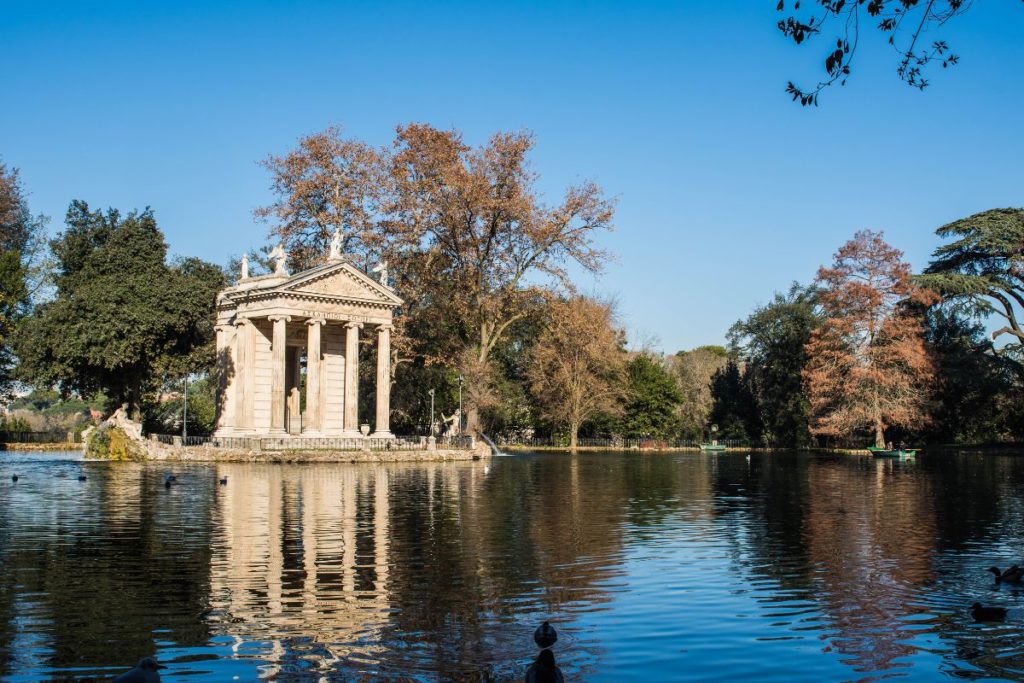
pixel 333 281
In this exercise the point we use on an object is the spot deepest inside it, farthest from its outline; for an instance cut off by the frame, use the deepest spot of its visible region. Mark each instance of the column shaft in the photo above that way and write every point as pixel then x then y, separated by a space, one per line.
pixel 383 382
pixel 277 372
pixel 245 361
pixel 314 363
pixel 352 379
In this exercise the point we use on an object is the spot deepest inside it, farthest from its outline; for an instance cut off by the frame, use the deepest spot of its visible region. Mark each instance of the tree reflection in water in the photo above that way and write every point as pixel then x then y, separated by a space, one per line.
pixel 645 564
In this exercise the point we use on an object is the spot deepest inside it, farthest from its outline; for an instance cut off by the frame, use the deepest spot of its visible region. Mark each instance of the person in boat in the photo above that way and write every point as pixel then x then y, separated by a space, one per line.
pixel 888 445
pixel 544 669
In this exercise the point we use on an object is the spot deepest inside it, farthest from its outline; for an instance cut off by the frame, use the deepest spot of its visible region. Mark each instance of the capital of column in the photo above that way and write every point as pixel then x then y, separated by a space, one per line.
pixel 316 321
pixel 385 328
pixel 354 324
pixel 277 318
pixel 242 322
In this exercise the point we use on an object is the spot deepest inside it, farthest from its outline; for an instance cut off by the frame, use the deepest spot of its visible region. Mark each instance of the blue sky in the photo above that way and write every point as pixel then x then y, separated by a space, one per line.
pixel 727 191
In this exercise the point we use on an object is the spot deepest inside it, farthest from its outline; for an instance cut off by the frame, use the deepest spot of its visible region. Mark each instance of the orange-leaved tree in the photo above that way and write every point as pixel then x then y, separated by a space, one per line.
pixel 577 366
pixel 487 247
pixel 868 366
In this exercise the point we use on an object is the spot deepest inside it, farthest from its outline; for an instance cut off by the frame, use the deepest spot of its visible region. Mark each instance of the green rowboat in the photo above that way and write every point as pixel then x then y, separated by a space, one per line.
pixel 712 447
pixel 895 453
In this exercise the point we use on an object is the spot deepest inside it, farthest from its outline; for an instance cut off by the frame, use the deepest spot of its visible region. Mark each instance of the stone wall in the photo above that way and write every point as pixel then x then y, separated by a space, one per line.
pixel 165 452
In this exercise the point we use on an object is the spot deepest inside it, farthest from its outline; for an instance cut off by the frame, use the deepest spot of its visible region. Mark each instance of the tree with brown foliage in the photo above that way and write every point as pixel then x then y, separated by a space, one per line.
pixel 469 241
pixel 868 367
pixel 577 365
pixel 483 236
pixel 327 183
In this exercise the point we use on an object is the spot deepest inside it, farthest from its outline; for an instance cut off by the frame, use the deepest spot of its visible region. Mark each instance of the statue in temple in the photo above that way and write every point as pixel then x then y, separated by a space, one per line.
pixel 244 267
pixel 335 253
pixel 382 268
pixel 281 256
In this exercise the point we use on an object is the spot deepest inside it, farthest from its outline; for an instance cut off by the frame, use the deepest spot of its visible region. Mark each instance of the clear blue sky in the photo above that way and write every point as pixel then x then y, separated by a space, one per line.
pixel 727 191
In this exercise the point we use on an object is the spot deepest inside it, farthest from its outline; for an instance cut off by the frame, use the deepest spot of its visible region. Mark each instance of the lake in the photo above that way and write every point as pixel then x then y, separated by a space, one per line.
pixel 670 567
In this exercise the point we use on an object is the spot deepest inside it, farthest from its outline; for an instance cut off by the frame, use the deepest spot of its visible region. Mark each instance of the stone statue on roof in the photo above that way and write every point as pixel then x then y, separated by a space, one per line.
pixel 335 253
pixel 382 268
pixel 244 267
pixel 281 256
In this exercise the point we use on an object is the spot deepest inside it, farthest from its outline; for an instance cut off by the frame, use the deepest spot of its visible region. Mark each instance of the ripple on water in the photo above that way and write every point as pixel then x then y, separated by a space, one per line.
pixel 662 567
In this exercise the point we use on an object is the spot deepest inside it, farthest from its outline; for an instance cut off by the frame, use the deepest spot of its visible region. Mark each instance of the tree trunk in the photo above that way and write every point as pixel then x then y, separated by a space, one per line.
pixel 574 431
pixel 472 420
pixel 879 434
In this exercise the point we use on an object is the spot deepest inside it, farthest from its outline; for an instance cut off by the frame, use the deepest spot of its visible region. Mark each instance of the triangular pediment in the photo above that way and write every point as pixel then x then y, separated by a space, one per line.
pixel 340 280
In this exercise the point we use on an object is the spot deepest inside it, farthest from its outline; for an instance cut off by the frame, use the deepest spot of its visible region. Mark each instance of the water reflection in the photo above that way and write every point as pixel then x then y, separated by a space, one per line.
pixel 662 567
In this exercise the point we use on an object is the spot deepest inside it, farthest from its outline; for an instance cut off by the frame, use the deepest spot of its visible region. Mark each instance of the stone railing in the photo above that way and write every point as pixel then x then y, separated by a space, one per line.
pixel 321 443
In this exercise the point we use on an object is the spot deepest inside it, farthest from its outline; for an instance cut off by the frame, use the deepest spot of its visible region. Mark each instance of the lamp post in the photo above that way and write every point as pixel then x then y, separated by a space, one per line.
pixel 184 413
pixel 431 392
pixel 461 380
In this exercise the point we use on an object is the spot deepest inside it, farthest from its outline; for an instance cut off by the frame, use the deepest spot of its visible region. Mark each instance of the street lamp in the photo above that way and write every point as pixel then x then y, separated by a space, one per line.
pixel 461 380
pixel 184 413
pixel 431 392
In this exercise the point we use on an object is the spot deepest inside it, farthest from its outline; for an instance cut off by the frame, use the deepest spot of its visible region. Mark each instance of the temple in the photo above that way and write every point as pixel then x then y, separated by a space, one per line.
pixel 288 348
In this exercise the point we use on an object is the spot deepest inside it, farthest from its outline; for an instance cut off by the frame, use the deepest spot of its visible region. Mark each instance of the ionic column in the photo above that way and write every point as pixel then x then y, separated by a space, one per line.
pixel 314 365
pixel 245 378
pixel 225 387
pixel 383 425
pixel 352 379
pixel 277 372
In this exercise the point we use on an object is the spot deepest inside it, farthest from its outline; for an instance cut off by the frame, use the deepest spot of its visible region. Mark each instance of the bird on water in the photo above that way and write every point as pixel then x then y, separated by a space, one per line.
pixel 224 480
pixel 147 671
pixel 1012 575
pixel 545 635
pixel 14 478
pixel 82 477
pixel 987 613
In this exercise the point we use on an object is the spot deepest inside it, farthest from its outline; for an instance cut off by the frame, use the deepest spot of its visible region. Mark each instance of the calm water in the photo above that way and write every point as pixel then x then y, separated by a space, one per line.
pixel 653 567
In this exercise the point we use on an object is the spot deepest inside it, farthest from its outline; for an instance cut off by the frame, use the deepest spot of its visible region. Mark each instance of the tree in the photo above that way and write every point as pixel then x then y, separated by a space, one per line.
pixel 328 183
pixel 576 368
pixel 464 230
pixel 20 233
pixel 867 363
pixel 694 372
pixel 977 400
pixel 982 271
pixel 652 399
pixel 122 317
pixel 903 22
pixel 771 343
pixel 479 233
pixel 733 410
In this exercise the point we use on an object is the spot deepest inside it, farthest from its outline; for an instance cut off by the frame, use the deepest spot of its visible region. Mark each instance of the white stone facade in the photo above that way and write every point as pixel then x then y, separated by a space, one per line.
pixel 270 327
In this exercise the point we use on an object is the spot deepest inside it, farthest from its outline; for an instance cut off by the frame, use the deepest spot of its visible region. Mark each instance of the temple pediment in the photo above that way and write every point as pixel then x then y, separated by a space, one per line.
pixel 338 281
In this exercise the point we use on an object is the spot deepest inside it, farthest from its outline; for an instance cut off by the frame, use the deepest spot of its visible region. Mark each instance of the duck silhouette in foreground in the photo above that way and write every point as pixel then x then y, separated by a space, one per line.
pixel 544 669
pixel 14 478
pixel 224 480
pixel 545 635
pixel 1013 574
pixel 987 613
pixel 147 671
pixel 82 477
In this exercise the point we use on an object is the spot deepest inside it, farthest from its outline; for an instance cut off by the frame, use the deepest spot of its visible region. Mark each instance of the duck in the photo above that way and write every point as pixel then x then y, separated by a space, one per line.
pixel 545 636
pixel 14 478
pixel 224 480
pixel 82 477
pixel 147 671
pixel 1012 575
pixel 987 613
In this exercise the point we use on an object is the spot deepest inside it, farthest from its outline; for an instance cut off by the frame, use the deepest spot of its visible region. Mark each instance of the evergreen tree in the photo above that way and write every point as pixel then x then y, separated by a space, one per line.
pixel 653 397
pixel 122 316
